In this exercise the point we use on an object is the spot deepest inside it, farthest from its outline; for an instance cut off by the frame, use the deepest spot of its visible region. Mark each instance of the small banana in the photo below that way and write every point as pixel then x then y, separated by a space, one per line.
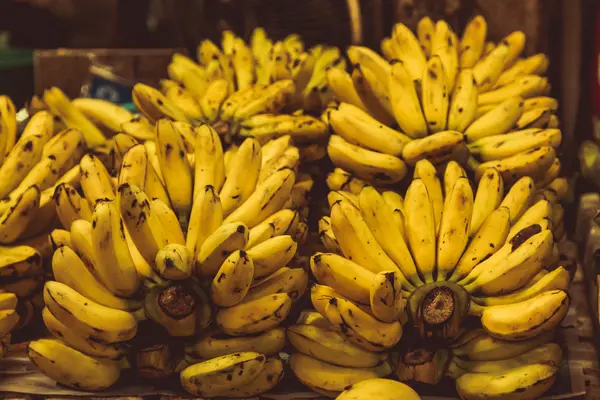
pixel 272 254
pixel 435 95
pixel 526 86
pixel 242 177
pixel 154 105
pixel 500 119
pixel 210 103
pixel 95 180
pixel 255 316
pixel 407 49
pixel 488 198
pixel 365 164
pixel 226 239
pixel 342 86
pixel 339 179
pixel 533 163
pixel 437 148
pixel 139 128
pixel 536 64
pixel 209 166
pixel 463 104
pixel 292 281
pixel 268 343
pixel 487 71
pixel 420 228
pixel 230 286
pixel 213 377
pixel 205 218
pixel 519 198
pixel 472 42
pixel 103 113
pixel 168 220
pixel 56 359
pixel 503 146
pixel 426 34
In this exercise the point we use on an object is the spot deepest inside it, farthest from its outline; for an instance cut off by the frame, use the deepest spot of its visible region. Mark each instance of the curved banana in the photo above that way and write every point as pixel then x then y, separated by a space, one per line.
pixel 226 239
pixel 230 286
pixel 472 42
pixel 205 218
pixel 435 95
pixel 500 119
pixel 268 343
pixel 56 359
pixel 175 262
pixel 103 113
pixel 255 316
pixel 95 180
pixel 22 210
pixel 437 148
pixel 490 192
pixel 533 163
pixel 463 105
pixel 526 86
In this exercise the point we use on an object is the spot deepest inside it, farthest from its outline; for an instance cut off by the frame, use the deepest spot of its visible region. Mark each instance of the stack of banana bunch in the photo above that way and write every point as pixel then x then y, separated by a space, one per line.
pixel 433 96
pixel 229 86
pixel 439 255
pixel 187 239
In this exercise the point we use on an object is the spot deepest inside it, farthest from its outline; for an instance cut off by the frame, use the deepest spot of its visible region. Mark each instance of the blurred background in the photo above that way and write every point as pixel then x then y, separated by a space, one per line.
pixel 137 37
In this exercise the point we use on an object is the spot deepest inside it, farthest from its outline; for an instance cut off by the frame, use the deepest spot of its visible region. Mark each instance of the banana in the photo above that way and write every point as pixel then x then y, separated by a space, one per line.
pixel 142 224
pixel 515 42
pixel 454 228
pixel 534 163
pixel 21 211
pixel 407 49
pixel 101 323
pixel 70 205
pixel 209 167
pixel 9 318
pixel 272 254
pixel 379 217
pixel 541 101
pixel 463 104
pixel 560 186
pixel 557 279
pixel 420 229
pixel 26 153
pixel 60 105
pixel 504 146
pixel 405 102
pixel 289 159
pixel 526 86
pixel 95 180
pixel 182 99
pixel 267 379
pixel 427 172
pixel 435 95
pixel 327 237
pixel 342 86
pixel 425 34
pixel 171 229
pixel 19 261
pixel 373 93
pixel 175 168
pixel 445 46
pixel 242 177
pixel 436 148
pixel 79 342
pixel 365 164
pixel 488 198
pixel 378 388
pixel 113 262
pixel 205 218
pixel 268 343
pixel 154 105
pixel 175 262
pixel 313 318
pixel 501 119
pixel 358 127
pixel 243 64
pixel 264 127
pixel 472 42
pixel 356 239
pixel 292 281
pixel 269 197
pixel 528 381
pixel 536 118
pixel 230 286
pixel 270 100
pixel 254 316
pixel 483 347
pixel 69 269
pixel 519 198
pixel 238 98
pixel 103 113
pixel 122 142
pixel 487 71
pixel 342 180
pixel 139 127
pixel 212 377
pixel 343 275
pixel 385 296
pixel 59 156
pixel 56 359
pixel 215 95
pixel 226 239
pixel 541 210
pixel 536 64
pixel 332 379
pixel 134 168
pixel 331 347
pixel 523 262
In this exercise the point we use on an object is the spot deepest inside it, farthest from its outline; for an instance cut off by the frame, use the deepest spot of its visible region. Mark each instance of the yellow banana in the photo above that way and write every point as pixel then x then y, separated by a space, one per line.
pixel 490 192
pixel 255 316
pixel 435 95
pixel 231 284
pixel 405 102
pixel 226 239
pixel 205 218
pixel 209 166
pixel 501 119
pixel 463 104
pixel 437 148
pixel 272 254
pixel 472 42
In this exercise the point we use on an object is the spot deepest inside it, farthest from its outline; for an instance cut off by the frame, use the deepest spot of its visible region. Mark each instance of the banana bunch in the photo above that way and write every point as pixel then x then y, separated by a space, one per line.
pixel 440 254
pixel 187 238
pixel 431 96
